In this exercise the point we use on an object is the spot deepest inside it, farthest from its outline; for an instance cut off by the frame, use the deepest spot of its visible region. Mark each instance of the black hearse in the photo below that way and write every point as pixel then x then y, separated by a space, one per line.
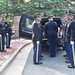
pixel 25 27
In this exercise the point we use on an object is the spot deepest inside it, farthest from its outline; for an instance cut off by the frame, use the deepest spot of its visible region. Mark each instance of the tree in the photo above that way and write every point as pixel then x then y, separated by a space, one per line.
pixel 49 7
pixel 44 7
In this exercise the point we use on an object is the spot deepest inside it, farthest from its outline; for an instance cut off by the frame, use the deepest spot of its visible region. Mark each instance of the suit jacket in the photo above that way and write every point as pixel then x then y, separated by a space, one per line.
pixel 37 31
pixel 51 29
pixel 71 30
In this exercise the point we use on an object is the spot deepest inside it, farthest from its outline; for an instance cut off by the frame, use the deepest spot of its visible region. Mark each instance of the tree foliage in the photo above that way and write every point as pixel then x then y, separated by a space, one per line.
pixel 44 7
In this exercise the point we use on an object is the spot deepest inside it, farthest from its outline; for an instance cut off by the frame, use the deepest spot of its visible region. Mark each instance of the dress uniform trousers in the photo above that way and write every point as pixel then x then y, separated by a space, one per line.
pixel 37 53
pixel 2 39
pixel 51 30
pixel 36 38
pixel 8 32
pixel 71 32
pixel 71 55
pixel 52 45
pixel 67 45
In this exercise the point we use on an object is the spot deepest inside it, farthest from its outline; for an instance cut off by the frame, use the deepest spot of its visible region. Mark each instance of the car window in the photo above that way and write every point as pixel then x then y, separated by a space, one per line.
pixel 29 23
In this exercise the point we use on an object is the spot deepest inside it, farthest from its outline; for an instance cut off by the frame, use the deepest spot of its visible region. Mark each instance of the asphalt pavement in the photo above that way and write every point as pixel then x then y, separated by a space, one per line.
pixel 51 65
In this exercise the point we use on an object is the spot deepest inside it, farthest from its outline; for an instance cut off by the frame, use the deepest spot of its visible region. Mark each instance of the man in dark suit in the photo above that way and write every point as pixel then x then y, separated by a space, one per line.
pixel 51 30
pixel 8 31
pixel 37 39
pixel 2 33
pixel 71 36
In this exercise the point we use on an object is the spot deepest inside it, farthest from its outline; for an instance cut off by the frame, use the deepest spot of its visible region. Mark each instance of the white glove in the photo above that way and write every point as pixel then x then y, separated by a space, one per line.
pixel 37 42
pixel 71 42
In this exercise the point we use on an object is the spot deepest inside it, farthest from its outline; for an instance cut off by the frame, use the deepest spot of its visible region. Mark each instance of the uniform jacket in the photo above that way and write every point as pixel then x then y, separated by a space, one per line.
pixel 37 31
pixel 65 31
pixel 71 30
pixel 1 27
pixel 7 26
pixel 51 29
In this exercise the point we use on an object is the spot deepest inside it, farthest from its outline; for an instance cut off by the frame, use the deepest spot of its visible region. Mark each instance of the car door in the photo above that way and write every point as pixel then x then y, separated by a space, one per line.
pixel 25 26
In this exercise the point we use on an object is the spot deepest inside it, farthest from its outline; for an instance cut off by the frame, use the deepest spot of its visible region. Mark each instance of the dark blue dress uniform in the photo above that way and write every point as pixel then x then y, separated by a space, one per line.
pixel 2 32
pixel 71 32
pixel 66 38
pixel 37 36
pixel 8 33
pixel 51 30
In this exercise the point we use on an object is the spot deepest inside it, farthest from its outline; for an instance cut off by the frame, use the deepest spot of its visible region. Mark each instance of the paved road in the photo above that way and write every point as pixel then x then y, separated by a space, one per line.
pixel 50 66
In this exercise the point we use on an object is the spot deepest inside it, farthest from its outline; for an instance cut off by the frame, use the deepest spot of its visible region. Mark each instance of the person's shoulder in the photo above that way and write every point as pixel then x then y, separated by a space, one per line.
pixel 5 22
pixel 34 23
pixel 73 20
pixel 1 22
pixel 54 22
pixel 9 22
pixel 46 23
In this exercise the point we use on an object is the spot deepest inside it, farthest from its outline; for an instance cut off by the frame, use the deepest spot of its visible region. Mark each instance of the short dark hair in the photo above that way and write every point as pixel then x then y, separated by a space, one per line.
pixel 36 16
pixel 50 17
pixel 71 13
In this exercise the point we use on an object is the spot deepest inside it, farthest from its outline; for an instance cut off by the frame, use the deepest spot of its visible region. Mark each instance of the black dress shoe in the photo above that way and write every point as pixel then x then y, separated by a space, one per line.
pixel 65 55
pixel 9 47
pixel 70 66
pixel 67 58
pixel 41 56
pixel 52 55
pixel 3 51
pixel 35 63
pixel 67 61
pixel 38 63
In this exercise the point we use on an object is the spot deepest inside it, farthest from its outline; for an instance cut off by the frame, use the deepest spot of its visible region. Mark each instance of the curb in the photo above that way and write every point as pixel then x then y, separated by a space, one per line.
pixel 25 62
pixel 11 58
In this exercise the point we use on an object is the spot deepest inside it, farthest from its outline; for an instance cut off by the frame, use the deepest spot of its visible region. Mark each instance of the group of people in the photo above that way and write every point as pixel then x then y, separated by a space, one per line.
pixel 51 31
pixel 69 38
pixel 5 31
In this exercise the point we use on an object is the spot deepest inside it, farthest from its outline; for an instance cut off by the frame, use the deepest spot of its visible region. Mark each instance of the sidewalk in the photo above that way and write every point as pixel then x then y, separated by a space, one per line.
pixel 9 55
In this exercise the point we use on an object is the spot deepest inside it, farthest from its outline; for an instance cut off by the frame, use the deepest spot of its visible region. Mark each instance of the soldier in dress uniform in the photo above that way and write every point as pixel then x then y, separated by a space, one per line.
pixel 51 30
pixel 8 31
pixel 37 39
pixel 66 39
pixel 2 36
pixel 71 36
pixel 64 19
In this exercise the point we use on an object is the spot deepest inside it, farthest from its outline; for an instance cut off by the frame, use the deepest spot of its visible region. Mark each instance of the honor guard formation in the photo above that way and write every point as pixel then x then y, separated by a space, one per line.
pixel 5 33
pixel 52 32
